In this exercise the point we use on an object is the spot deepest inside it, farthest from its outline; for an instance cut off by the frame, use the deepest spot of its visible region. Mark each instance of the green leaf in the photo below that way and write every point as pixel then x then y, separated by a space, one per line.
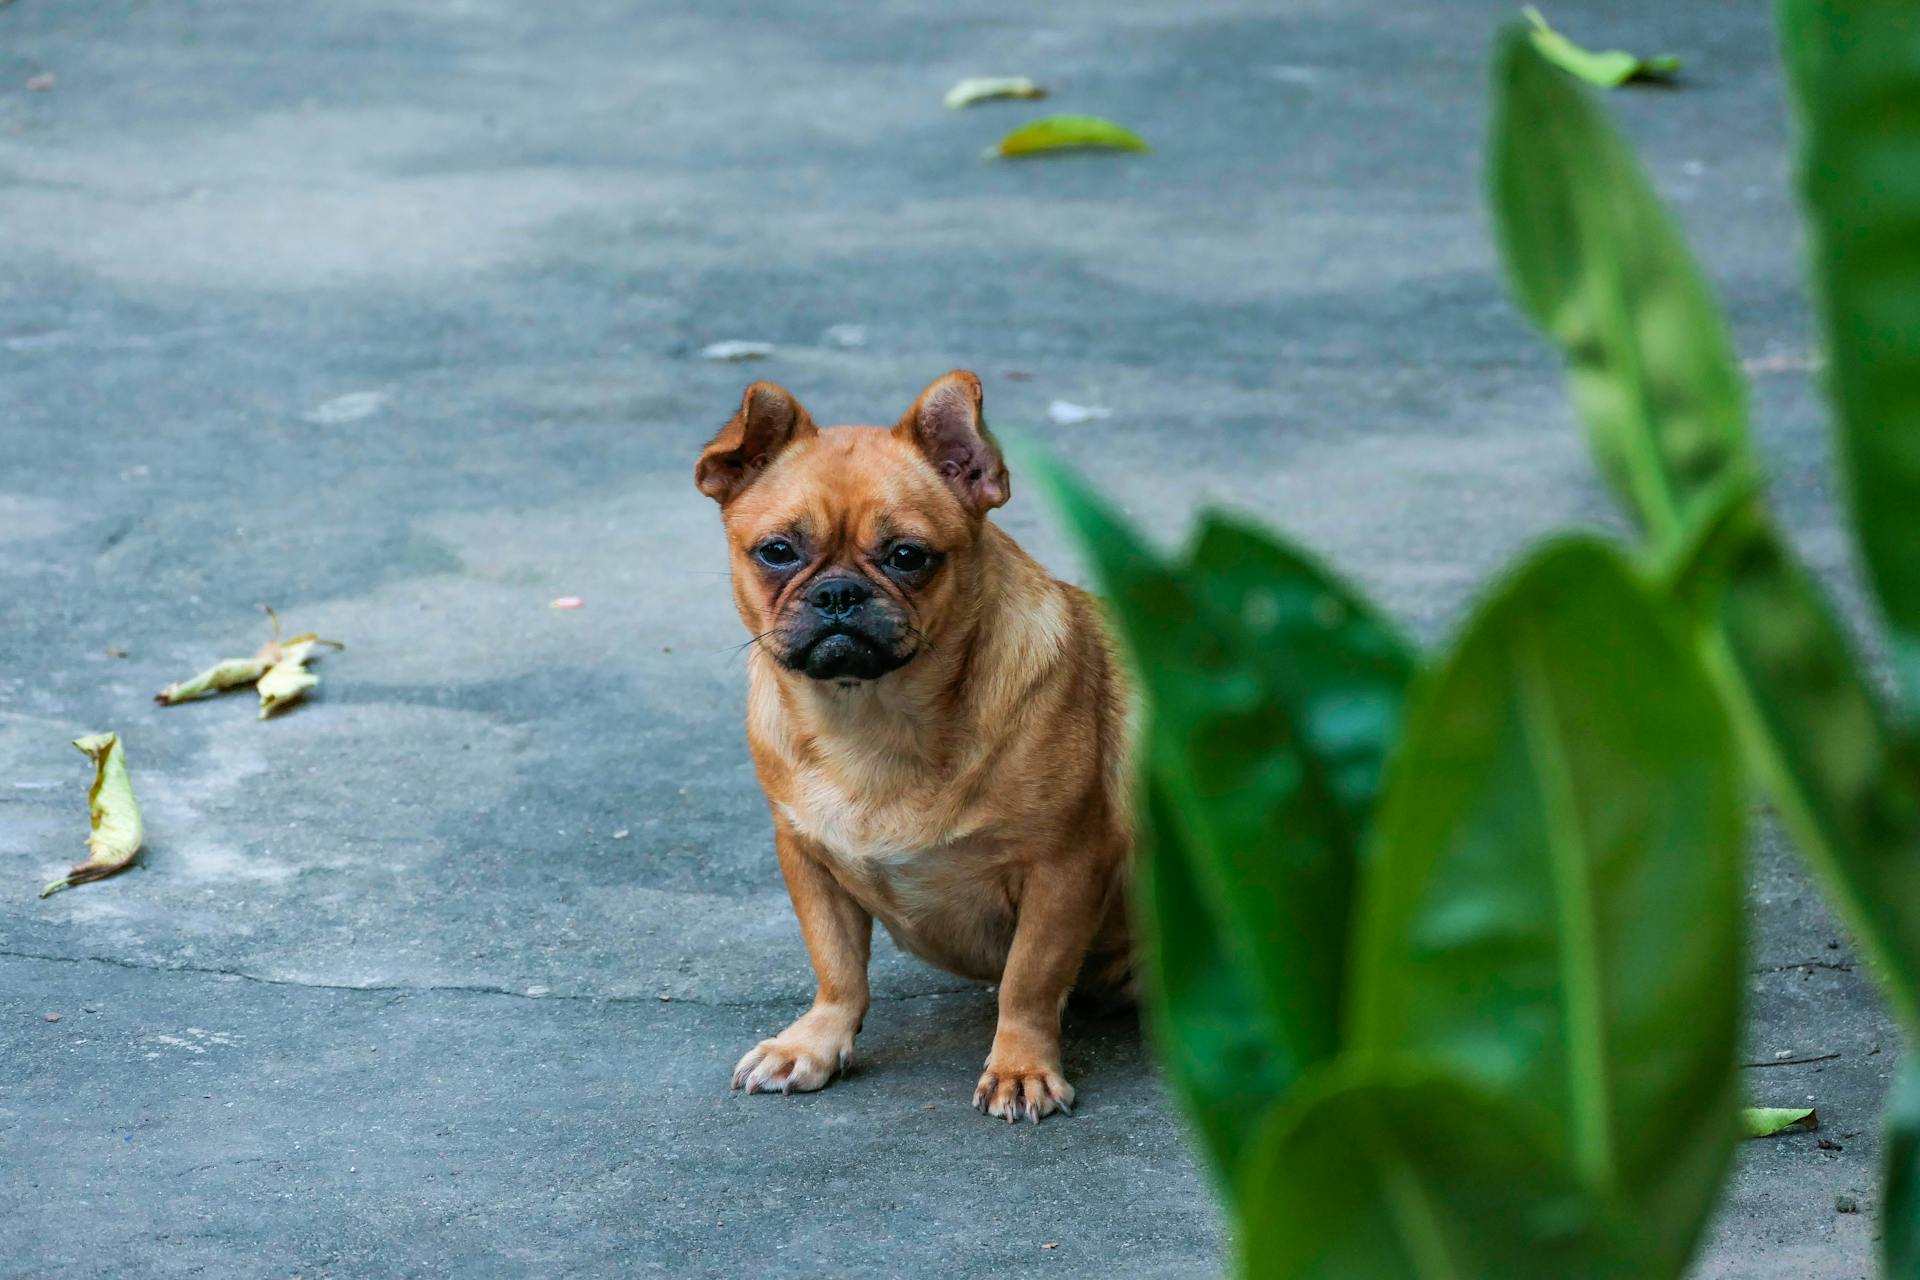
pixel 1412 1174
pixel 1067 133
pixel 1274 691
pixel 1855 69
pixel 1553 908
pixel 1764 1122
pixel 1608 70
pixel 1900 1219
pixel 1340 666
pixel 1815 736
pixel 1596 262
pixel 1208 1025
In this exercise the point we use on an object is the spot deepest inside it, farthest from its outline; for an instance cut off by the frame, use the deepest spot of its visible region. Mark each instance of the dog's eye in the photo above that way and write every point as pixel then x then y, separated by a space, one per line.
pixel 907 558
pixel 777 553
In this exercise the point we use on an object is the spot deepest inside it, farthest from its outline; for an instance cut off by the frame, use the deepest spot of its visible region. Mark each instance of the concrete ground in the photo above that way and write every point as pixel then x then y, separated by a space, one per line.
pixel 388 313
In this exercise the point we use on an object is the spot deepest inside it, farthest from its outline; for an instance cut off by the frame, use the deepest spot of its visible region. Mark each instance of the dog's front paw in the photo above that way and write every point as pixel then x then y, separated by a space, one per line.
pixel 798 1060
pixel 1009 1091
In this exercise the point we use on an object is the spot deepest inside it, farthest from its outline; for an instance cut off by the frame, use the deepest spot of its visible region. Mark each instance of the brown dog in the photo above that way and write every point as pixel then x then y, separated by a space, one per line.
pixel 940 726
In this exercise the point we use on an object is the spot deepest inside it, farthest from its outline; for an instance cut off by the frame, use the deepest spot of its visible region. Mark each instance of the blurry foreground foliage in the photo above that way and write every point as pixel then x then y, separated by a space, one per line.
pixel 1446 951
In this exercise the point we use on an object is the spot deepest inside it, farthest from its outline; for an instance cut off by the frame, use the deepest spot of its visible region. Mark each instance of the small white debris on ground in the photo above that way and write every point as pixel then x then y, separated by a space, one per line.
pixel 734 349
pixel 1069 414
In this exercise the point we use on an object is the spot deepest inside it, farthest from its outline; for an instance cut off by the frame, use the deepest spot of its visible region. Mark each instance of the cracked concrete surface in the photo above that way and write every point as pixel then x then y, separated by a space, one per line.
pixel 386 312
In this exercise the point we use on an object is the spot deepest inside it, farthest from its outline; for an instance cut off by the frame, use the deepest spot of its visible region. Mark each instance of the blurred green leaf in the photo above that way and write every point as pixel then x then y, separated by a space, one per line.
pixel 1339 665
pixel 1855 68
pixel 1208 1025
pixel 1900 1217
pixel 1596 262
pixel 1815 736
pixel 1067 133
pixel 1764 1122
pixel 1553 908
pixel 1274 692
pixel 1608 70
pixel 1415 1175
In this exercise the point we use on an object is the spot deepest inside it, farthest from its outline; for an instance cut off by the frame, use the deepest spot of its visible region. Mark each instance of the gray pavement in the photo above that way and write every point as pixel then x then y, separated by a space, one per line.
pixel 444 972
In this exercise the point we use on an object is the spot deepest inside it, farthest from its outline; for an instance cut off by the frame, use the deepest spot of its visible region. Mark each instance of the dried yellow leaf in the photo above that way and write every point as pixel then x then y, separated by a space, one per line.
pixel 285 682
pixel 288 679
pixel 277 671
pixel 229 674
pixel 117 829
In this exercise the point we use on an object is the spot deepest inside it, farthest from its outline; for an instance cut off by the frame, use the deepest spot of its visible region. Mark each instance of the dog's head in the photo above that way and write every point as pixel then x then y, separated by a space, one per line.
pixel 851 545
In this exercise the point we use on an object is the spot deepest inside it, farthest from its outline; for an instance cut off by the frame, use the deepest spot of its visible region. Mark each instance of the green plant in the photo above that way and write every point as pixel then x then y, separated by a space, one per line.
pixel 1445 963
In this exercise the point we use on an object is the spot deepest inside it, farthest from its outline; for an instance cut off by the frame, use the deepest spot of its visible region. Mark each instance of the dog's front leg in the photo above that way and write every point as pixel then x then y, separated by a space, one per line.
pixel 839 936
pixel 1059 911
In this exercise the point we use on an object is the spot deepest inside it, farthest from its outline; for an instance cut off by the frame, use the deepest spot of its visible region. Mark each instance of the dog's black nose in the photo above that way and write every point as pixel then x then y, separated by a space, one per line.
pixel 835 598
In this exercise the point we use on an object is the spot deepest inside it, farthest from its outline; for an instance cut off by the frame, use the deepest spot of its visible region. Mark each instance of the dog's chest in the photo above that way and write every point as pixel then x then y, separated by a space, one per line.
pixel 910 858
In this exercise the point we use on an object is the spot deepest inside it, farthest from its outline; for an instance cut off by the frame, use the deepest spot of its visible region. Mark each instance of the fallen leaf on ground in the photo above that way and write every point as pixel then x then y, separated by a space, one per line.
pixel 1764 1122
pixel 1069 414
pixel 1067 133
pixel 984 88
pixel 117 829
pixel 283 684
pixel 288 680
pixel 733 349
pixel 231 673
pixel 1609 69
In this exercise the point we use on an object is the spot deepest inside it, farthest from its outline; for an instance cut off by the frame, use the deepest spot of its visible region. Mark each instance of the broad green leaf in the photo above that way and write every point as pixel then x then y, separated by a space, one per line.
pixel 1273 691
pixel 1815 736
pixel 1339 663
pixel 111 812
pixel 1900 1218
pixel 1855 69
pixel 1608 70
pixel 1597 263
pixel 1415 1175
pixel 1067 133
pixel 985 88
pixel 1764 1122
pixel 1208 1025
pixel 1553 905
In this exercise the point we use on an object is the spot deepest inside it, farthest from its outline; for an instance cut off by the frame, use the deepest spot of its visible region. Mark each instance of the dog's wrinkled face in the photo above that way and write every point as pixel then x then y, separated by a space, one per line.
pixel 851 546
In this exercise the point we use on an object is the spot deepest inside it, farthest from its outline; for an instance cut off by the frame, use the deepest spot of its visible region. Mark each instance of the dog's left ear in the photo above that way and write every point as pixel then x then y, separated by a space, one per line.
pixel 946 426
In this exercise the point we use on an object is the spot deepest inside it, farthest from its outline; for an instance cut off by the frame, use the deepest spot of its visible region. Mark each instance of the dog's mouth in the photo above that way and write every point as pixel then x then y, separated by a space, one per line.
pixel 845 656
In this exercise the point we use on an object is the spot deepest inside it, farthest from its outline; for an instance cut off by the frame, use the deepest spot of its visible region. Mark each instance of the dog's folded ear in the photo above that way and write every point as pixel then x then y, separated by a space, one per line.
pixel 946 426
pixel 769 420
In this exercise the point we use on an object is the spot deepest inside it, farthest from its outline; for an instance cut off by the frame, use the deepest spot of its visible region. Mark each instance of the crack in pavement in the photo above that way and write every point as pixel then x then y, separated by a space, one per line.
pixel 456 988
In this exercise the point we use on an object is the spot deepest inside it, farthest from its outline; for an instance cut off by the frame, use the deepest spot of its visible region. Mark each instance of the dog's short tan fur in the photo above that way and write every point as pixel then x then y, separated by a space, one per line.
pixel 972 798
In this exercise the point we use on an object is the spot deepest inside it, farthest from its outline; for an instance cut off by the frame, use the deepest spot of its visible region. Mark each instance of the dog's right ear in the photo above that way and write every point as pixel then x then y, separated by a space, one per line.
pixel 769 420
